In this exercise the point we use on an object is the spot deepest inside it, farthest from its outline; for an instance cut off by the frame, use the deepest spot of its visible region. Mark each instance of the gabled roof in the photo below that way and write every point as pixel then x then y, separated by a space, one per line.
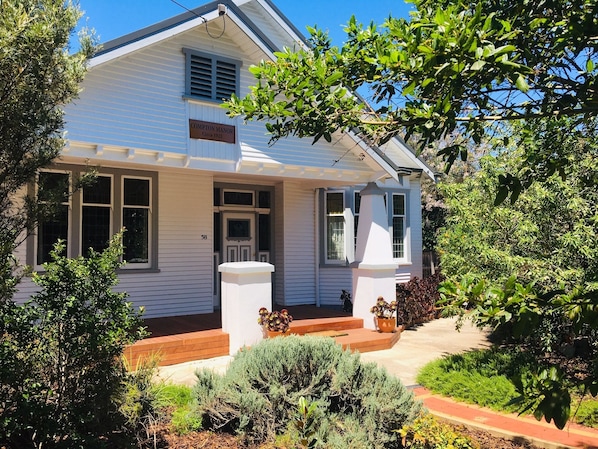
pixel 387 159
pixel 194 17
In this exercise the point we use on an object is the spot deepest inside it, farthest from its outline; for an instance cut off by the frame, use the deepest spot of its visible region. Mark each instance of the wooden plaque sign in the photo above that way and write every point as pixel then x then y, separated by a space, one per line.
pixel 218 132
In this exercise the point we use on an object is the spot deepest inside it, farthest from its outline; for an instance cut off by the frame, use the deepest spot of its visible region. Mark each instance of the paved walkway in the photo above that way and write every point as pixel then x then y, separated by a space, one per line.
pixel 416 348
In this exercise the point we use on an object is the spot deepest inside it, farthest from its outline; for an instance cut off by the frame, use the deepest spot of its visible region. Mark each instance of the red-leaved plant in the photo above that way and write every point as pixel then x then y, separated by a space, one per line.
pixel 383 308
pixel 275 321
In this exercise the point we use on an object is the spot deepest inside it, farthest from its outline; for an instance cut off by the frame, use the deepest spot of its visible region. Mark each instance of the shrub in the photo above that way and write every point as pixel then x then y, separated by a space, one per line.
pixel 257 395
pixel 416 300
pixel 480 377
pixel 427 432
pixel 61 385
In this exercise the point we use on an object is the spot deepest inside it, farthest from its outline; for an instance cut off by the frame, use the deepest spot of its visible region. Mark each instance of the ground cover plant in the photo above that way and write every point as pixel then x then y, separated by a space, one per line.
pixel 488 377
pixel 358 404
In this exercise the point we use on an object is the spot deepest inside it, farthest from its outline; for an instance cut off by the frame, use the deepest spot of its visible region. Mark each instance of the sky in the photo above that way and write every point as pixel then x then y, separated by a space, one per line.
pixel 115 18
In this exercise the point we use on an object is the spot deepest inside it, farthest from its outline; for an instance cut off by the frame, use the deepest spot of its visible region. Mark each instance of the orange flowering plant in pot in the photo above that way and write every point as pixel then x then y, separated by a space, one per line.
pixel 385 314
pixel 277 321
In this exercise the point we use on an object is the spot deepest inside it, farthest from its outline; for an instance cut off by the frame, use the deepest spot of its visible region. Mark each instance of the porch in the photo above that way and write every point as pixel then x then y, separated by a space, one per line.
pixel 196 337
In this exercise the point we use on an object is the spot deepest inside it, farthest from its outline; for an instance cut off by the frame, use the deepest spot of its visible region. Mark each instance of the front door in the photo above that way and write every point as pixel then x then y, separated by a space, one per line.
pixel 238 231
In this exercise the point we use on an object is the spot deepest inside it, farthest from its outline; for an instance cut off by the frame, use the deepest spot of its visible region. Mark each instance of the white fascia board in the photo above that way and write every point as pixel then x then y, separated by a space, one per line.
pixel 168 33
pixel 403 146
pixel 375 156
pixel 282 24
pixel 252 35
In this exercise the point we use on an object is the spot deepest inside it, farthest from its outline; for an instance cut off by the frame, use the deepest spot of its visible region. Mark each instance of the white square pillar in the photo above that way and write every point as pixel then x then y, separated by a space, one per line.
pixel 246 287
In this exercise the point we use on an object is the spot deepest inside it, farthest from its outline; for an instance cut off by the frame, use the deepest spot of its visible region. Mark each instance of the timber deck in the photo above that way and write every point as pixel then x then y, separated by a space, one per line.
pixel 196 337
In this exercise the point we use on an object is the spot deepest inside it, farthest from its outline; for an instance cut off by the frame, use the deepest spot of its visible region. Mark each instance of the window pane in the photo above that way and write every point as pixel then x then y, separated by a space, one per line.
pixel 53 187
pixel 334 203
pixel 238 229
pixel 217 235
pixel 398 205
pixel 100 192
pixel 263 199
pixel 95 228
pixel 136 237
pixel 264 232
pixel 357 202
pixel 50 231
pixel 335 238
pixel 239 198
pixel 136 192
pixel 397 238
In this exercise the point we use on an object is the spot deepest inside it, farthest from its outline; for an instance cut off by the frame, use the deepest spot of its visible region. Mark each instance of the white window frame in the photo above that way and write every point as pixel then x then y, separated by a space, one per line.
pixel 403 216
pixel 342 260
pixel 135 265
pixel 67 203
pixel 110 206
pixel 356 193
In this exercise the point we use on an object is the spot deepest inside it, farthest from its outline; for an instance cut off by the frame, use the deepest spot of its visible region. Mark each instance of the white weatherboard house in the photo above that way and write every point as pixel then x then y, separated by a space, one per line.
pixel 196 189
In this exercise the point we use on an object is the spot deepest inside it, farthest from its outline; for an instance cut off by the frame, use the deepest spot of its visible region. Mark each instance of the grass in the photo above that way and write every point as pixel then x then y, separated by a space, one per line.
pixel 179 399
pixel 483 377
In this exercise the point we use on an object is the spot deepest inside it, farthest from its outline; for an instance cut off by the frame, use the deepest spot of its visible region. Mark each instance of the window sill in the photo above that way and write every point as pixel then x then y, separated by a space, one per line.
pixel 201 100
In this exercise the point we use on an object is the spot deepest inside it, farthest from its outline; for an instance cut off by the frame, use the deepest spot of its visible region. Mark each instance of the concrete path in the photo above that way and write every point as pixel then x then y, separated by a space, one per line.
pixel 424 343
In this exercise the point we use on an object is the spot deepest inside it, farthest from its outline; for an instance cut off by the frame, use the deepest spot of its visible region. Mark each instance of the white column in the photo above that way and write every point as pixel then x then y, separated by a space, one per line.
pixel 246 287
pixel 374 268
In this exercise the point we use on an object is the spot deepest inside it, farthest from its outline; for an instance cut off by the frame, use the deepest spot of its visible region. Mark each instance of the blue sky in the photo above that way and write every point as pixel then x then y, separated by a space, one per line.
pixel 114 18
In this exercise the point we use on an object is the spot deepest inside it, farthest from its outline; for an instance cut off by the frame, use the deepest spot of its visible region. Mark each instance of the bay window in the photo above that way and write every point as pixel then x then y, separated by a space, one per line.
pixel 398 225
pixel 335 227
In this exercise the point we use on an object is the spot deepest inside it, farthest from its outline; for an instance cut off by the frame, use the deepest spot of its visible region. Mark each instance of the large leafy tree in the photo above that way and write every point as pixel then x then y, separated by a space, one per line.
pixel 38 75
pixel 532 266
pixel 548 236
pixel 452 66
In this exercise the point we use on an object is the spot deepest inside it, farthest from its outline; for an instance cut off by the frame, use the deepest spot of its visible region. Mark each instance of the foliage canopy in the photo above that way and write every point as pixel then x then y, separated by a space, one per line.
pixel 453 66
pixel 38 76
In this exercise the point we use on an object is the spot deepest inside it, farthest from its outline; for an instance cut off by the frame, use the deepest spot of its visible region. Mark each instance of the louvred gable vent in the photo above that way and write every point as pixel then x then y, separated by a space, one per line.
pixel 207 84
pixel 201 76
pixel 226 79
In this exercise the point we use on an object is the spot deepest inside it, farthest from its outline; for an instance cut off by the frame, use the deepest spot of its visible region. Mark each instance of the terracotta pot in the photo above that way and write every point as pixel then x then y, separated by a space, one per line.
pixel 386 325
pixel 272 334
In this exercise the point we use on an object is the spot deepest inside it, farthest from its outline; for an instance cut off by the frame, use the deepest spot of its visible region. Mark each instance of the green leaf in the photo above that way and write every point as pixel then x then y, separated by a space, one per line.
pixel 521 84
pixel 477 65
pixel 334 77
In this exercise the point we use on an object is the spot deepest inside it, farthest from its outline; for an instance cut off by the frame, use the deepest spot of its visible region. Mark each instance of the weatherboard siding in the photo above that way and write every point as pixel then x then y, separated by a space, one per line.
pixel 136 102
pixel 332 281
pixel 299 245
pixel 184 284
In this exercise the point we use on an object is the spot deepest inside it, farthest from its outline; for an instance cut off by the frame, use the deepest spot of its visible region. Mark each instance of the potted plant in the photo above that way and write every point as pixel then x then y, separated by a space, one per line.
pixel 274 323
pixel 385 314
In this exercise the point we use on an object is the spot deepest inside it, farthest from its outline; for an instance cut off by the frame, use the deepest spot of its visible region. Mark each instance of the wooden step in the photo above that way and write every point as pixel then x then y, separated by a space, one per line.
pixel 367 340
pixel 190 346
pixel 302 327
pixel 179 348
